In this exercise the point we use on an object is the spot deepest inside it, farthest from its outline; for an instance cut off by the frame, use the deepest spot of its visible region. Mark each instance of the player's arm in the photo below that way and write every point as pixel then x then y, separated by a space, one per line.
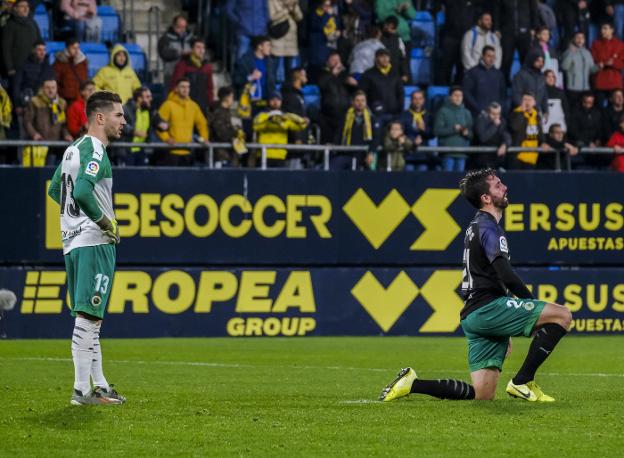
pixel 497 252
pixel 510 279
pixel 54 191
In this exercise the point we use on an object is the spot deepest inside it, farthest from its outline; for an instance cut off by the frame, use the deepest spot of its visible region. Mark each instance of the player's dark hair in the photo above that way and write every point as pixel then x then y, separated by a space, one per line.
pixel 101 101
pixel 475 184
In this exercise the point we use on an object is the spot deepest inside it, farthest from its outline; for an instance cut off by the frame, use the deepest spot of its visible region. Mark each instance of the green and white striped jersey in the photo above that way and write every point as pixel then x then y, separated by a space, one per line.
pixel 85 159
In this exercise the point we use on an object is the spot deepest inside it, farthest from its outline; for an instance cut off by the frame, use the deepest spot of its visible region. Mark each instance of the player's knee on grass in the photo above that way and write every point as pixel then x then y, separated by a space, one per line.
pixel 557 314
pixel 484 382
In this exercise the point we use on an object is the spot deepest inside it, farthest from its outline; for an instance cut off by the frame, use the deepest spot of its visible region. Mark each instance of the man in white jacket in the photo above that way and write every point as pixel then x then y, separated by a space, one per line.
pixel 476 38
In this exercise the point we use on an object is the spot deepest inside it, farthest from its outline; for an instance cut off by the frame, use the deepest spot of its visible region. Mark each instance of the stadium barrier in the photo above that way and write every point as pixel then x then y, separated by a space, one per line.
pixel 327 150
pixel 238 302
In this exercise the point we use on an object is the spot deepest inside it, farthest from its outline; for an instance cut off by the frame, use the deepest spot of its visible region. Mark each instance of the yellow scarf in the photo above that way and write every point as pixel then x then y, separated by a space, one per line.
pixel 330 28
pixel 417 117
pixel 348 127
pixel 58 114
pixel 532 137
pixel 386 70
pixel 196 61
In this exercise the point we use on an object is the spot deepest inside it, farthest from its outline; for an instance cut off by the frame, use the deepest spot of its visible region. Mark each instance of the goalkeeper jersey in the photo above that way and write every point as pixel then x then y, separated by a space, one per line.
pixel 85 159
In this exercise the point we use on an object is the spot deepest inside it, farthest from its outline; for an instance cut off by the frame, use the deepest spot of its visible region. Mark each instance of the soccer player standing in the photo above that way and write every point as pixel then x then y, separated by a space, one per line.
pixel 82 185
pixel 491 315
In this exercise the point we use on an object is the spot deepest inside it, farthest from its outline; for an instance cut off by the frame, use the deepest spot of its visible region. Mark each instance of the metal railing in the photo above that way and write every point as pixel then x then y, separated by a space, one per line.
pixel 153 27
pixel 328 150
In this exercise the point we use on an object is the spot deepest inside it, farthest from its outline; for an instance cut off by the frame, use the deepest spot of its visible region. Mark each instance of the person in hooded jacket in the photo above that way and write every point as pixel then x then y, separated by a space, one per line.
pixel 531 80
pixel 118 76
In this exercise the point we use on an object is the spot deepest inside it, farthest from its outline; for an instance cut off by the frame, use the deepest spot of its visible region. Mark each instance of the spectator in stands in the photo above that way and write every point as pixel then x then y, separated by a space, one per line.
pixel 363 55
pixel 476 39
pixel 460 16
pixel 335 86
pixel 525 124
pixel 573 17
pixel 396 47
pixel 138 114
pixel 490 130
pixel 542 43
pixel 31 75
pixel 273 126
pixel 222 130
pixel 293 101
pixel 453 127
pixel 613 113
pixel 546 17
pixel 531 80
pixel 182 116
pixel 285 48
pixel 561 149
pixel 616 141
pixel 118 76
pixel 249 19
pixel 76 113
pixel 578 64
pixel 174 45
pixel 615 10
pixel 515 21
pixel 359 128
pixel 19 36
pixel 81 16
pixel 608 54
pixel 383 87
pixel 256 68
pixel 323 39
pixel 558 109
pixel 418 126
pixel 484 83
pixel 71 68
pixel 44 118
pixel 198 71
pixel 357 18
pixel 6 109
pixel 396 146
pixel 403 10
pixel 587 130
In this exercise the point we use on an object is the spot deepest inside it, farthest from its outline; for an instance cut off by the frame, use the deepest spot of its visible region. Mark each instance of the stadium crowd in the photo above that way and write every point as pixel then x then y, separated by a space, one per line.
pixel 564 94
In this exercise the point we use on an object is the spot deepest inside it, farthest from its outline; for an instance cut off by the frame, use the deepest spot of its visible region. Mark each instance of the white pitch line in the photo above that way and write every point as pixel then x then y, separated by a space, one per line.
pixel 257 366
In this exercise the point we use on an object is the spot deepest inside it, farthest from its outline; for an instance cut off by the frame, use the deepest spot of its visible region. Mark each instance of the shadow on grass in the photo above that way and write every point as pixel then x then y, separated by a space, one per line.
pixel 65 418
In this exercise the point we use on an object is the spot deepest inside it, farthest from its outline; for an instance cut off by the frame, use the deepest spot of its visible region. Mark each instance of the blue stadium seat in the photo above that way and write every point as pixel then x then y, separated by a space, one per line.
pixel 97 55
pixel 420 67
pixel 110 23
pixel 52 47
pixel 43 21
pixel 138 60
pixel 516 65
pixel 440 18
pixel 436 96
pixel 408 90
pixel 423 30
pixel 312 96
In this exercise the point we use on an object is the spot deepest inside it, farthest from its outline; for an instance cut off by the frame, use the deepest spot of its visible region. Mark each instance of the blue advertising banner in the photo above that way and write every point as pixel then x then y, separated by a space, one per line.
pixel 159 302
pixel 195 217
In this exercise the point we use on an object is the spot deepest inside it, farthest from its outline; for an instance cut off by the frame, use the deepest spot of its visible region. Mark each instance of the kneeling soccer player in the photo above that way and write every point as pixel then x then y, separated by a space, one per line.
pixel 491 316
pixel 82 185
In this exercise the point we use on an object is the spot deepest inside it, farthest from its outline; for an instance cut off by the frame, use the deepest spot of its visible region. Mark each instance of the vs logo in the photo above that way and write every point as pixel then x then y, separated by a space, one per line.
pixel 378 222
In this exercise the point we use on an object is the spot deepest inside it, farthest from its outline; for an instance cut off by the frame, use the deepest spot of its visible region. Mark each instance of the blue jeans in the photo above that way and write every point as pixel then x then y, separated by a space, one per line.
pixel 284 64
pixel 453 164
pixel 618 20
pixel 244 43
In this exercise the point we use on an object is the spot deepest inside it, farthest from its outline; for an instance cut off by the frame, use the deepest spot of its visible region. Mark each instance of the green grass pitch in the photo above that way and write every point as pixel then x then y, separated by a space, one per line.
pixel 305 397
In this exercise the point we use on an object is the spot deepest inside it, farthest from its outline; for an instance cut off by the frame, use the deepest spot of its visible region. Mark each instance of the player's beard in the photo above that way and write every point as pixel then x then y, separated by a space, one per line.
pixel 501 203
pixel 113 134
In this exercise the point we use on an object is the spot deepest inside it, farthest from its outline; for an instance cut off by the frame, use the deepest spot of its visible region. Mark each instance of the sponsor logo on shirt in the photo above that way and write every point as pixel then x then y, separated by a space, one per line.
pixel 503 245
pixel 92 168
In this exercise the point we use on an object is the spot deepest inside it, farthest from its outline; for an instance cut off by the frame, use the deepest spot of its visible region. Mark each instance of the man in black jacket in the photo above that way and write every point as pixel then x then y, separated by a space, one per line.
pixel 484 84
pixel 139 121
pixel 31 75
pixel 383 87
pixel 586 130
pixel 612 114
pixel 335 85
pixel 515 21
pixel 490 130
pixel 294 102
pixel 222 129
pixel 530 79
pixel 173 45
pixel 459 16
pixel 396 47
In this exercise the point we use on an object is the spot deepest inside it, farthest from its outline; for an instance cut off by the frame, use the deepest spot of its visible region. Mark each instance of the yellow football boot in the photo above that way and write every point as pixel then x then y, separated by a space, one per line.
pixel 401 386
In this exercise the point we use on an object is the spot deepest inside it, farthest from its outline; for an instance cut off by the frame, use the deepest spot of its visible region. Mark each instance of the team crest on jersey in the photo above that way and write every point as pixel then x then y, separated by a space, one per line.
pixel 503 245
pixel 92 168
pixel 96 301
